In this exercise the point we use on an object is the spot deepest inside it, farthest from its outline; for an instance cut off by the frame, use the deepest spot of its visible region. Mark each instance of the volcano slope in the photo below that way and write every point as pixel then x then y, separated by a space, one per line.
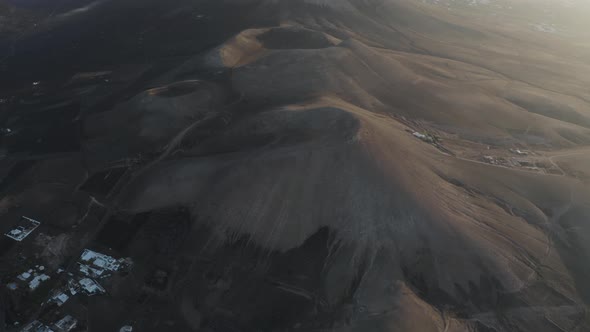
pixel 365 165
pixel 357 224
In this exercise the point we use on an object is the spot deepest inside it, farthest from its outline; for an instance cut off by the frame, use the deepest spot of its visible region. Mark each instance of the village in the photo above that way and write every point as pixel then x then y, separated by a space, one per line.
pixel 83 280
pixel 65 249
pixel 516 157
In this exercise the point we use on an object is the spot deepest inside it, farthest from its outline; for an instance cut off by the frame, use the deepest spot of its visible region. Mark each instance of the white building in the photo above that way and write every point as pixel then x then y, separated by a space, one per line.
pixel 100 261
pixel 91 287
pixel 33 277
pixel 25 227
pixel 36 281
pixel 60 298
pixel 37 326
pixel 66 324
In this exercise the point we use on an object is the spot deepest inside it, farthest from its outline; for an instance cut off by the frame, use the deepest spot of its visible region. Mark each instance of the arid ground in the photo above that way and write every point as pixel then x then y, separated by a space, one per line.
pixel 300 165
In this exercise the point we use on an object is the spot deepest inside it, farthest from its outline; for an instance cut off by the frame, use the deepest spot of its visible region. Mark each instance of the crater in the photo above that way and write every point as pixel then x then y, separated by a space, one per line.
pixel 294 38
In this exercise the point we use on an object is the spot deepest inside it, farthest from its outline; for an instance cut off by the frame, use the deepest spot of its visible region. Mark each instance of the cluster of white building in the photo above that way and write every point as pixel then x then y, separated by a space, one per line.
pixel 66 324
pixel 97 265
pixel 92 265
pixel 424 137
pixel 32 277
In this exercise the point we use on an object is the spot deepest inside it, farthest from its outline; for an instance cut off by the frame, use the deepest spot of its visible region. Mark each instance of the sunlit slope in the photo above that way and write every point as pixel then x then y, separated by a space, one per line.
pixel 324 133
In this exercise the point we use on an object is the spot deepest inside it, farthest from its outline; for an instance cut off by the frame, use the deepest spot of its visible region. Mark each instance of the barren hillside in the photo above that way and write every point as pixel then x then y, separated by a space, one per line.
pixel 342 165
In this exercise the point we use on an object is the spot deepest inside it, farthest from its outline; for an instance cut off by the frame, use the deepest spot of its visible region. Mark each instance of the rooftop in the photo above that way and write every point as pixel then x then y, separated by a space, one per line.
pixel 37 326
pixel 66 324
pixel 91 287
pixel 60 298
pixel 25 227
pixel 100 260
pixel 36 281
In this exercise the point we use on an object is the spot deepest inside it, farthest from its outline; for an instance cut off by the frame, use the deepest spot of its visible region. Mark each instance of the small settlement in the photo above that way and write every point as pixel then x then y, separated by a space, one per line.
pixel 80 282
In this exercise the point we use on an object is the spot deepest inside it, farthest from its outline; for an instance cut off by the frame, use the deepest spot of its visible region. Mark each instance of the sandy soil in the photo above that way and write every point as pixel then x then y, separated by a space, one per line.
pixel 326 165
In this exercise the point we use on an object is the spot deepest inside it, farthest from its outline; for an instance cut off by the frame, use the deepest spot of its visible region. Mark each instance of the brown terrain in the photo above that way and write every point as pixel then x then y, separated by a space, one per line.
pixel 312 165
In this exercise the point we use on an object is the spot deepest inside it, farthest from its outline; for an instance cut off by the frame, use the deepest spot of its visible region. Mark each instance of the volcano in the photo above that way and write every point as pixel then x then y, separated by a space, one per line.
pixel 311 165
